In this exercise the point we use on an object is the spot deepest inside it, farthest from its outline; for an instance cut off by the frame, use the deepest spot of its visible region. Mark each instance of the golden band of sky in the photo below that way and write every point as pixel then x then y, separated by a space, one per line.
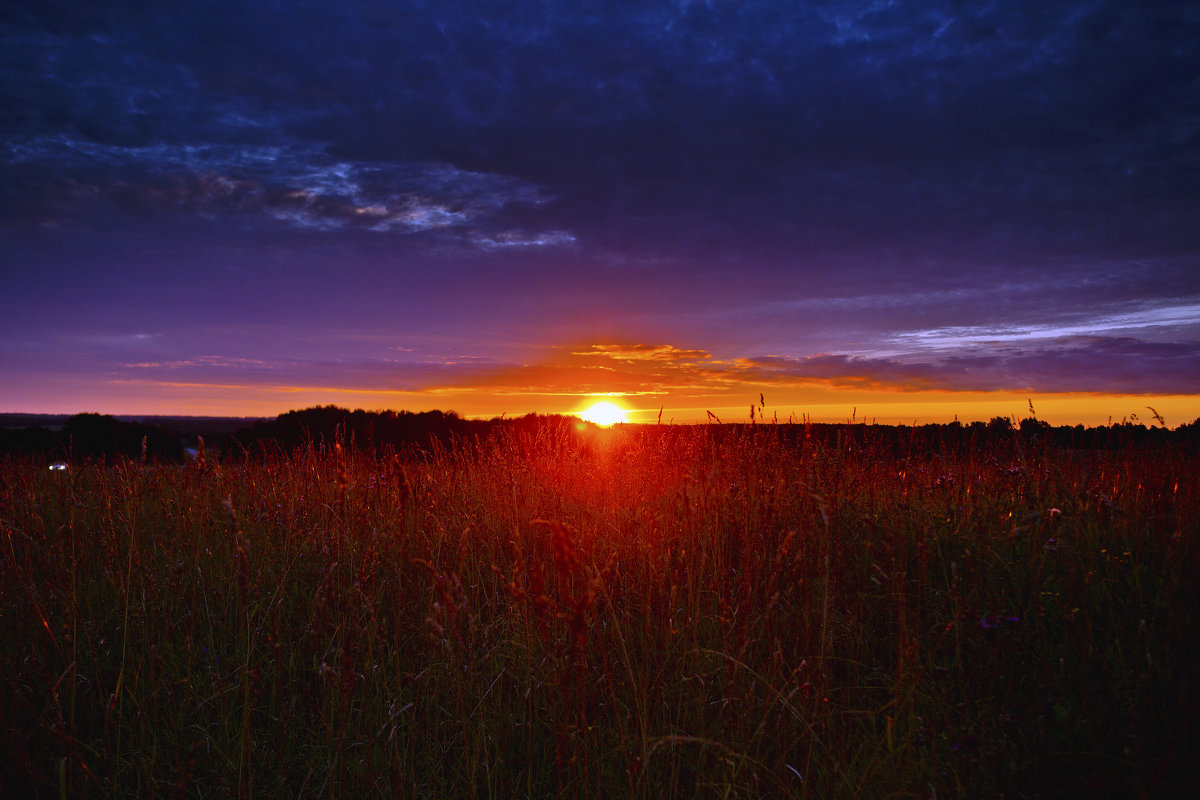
pixel 66 395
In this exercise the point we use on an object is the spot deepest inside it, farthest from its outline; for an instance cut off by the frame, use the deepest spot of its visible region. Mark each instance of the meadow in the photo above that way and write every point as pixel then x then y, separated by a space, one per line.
pixel 642 612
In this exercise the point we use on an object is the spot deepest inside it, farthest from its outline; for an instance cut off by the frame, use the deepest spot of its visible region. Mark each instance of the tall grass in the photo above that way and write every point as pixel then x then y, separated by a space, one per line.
pixel 641 612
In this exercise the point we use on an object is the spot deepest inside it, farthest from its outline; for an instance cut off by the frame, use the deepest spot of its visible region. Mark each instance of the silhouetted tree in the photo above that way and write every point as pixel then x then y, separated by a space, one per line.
pixel 103 436
pixel 31 441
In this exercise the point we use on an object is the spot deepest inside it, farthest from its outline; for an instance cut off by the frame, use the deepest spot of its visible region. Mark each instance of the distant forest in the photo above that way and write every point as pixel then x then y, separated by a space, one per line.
pixel 91 437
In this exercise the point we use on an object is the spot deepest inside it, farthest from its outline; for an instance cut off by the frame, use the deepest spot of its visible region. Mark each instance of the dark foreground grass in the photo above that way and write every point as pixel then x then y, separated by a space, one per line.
pixel 643 612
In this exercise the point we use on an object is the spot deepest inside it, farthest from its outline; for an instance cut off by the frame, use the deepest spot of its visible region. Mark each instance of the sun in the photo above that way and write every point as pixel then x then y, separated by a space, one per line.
pixel 604 414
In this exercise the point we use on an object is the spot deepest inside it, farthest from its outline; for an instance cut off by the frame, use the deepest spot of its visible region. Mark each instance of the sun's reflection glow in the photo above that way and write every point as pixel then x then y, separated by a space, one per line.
pixel 604 413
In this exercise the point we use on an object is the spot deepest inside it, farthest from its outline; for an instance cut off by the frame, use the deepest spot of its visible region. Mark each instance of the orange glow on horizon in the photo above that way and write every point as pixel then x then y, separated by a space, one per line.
pixel 684 403
pixel 604 413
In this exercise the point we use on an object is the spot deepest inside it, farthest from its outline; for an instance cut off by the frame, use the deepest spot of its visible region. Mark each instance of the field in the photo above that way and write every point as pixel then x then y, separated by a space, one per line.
pixel 644 612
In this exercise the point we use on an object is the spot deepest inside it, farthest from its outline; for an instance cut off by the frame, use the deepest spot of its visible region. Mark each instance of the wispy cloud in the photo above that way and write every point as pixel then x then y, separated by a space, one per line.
pixel 1076 364
pixel 202 362
pixel 350 373
pixel 1174 316
pixel 294 183
pixel 506 239
pixel 643 352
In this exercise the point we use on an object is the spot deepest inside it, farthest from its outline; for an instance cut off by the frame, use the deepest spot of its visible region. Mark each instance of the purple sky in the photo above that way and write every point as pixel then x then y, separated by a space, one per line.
pixel 211 207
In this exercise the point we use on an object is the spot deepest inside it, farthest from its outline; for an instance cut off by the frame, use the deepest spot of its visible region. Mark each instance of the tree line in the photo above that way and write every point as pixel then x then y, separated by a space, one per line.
pixel 90 436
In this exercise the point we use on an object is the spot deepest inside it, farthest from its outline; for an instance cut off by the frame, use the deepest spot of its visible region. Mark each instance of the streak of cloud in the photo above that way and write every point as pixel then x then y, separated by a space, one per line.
pixel 300 186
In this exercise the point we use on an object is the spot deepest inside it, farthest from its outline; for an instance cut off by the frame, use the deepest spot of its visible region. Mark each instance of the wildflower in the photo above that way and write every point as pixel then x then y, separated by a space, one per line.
pixel 967 744
pixel 990 622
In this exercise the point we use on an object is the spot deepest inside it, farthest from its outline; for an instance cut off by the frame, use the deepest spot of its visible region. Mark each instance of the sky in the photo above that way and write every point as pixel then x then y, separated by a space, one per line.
pixel 888 211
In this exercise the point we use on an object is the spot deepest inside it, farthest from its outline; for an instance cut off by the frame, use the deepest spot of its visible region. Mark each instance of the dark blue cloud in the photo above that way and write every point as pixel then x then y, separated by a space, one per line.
pixel 781 120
